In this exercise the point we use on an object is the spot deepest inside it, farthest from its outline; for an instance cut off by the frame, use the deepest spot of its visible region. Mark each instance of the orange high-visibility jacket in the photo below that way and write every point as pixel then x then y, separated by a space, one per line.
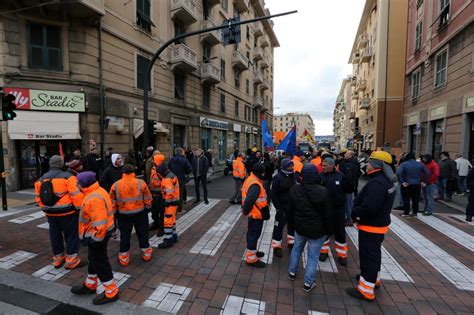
pixel 155 182
pixel 97 214
pixel 297 165
pixel 64 186
pixel 238 169
pixel 130 195
pixel 170 189
pixel 262 196
pixel 316 161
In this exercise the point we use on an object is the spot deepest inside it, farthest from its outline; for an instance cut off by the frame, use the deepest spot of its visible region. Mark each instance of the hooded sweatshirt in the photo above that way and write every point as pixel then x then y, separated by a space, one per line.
pixel 111 174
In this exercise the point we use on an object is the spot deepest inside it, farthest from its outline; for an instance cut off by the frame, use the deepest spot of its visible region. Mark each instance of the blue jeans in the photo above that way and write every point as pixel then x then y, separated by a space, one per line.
pixel 314 247
pixel 349 198
pixel 428 192
pixel 442 188
pixel 462 184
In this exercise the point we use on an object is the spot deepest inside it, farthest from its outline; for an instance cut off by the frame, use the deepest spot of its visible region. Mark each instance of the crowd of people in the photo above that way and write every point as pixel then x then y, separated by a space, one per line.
pixel 315 198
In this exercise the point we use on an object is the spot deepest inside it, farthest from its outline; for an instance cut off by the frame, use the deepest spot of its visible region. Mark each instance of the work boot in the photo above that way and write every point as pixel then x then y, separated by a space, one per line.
pixel 166 244
pixel 323 256
pixel 277 252
pixel 81 290
pixel 124 259
pixel 58 261
pixel 79 264
pixel 154 226
pixel 377 283
pixel 260 254
pixel 175 238
pixel 355 293
pixel 103 299
pixel 206 202
pixel 469 218
pixel 147 254
pixel 160 232
pixel 342 261
pixel 257 264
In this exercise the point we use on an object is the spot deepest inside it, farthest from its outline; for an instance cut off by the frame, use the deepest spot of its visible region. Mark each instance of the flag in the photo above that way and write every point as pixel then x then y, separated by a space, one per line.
pixel 266 136
pixel 61 152
pixel 289 142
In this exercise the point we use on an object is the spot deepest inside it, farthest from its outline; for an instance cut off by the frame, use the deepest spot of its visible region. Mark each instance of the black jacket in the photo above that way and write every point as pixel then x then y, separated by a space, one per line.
pixel 448 169
pixel 351 170
pixel 200 165
pixel 269 169
pixel 110 175
pixel 335 183
pixel 93 163
pixel 180 166
pixel 280 190
pixel 374 202
pixel 310 210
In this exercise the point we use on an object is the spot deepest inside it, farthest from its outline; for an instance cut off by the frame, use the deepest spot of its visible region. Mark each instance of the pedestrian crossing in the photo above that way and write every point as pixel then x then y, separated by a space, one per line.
pixel 27 218
pixel 50 273
pixel 168 297
pixel 239 305
pixel 329 265
pixel 461 218
pixel 120 278
pixel 15 259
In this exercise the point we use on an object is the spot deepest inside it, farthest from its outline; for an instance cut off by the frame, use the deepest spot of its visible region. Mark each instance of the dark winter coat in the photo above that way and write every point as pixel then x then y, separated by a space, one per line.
pixel 373 204
pixel 280 190
pixel 310 210
pixel 448 169
pixel 351 170
pixel 269 169
pixel 200 165
pixel 93 163
pixel 180 166
pixel 109 176
pixel 335 184
pixel 412 172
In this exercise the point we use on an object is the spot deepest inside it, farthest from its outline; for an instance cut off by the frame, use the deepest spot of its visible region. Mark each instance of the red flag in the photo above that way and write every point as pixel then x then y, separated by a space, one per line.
pixel 61 152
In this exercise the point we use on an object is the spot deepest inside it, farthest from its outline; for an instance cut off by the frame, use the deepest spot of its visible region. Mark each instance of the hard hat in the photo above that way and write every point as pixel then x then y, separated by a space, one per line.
pixel 254 149
pixel 381 156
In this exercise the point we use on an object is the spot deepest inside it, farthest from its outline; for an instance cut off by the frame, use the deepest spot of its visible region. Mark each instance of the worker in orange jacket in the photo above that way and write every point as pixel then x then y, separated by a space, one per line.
pixel 131 198
pixel 170 194
pixel 96 222
pixel 239 173
pixel 298 160
pixel 60 199
pixel 158 207
pixel 255 205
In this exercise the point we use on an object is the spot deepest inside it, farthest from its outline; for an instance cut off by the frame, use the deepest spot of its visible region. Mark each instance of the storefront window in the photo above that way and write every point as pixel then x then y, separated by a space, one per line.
pixel 222 144
pixel 206 138
pixel 179 136
pixel 236 140
pixel 438 135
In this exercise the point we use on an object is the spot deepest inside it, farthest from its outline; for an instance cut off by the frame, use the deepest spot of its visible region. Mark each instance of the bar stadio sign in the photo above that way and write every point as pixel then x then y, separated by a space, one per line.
pixel 29 99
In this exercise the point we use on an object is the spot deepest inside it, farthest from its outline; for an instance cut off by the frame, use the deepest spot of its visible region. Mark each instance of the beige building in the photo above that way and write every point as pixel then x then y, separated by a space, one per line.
pixel 67 61
pixel 378 59
pixel 341 116
pixel 284 123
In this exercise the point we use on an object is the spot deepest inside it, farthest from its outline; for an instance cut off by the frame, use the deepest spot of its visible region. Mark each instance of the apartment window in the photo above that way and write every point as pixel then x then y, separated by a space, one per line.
pixel 143 14
pixel 248 32
pixel 222 69
pixel 44 46
pixel 441 66
pixel 206 54
pixel 418 35
pixel 179 80
pixel 443 13
pixel 247 86
pixel 205 9
pixel 225 4
pixel 222 103
pixel 236 108
pixel 255 115
pixel 247 113
pixel 237 78
pixel 415 84
pixel 142 67
pixel 178 30
pixel 206 96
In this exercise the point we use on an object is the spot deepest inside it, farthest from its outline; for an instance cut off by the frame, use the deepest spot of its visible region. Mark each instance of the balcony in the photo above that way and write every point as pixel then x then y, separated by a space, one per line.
pixel 352 115
pixel 257 77
pixel 361 85
pixel 257 102
pixel 184 11
pixel 364 103
pixel 86 8
pixel 265 84
pixel 210 74
pixel 257 53
pixel 212 3
pixel 264 63
pixel 257 30
pixel 264 42
pixel 366 54
pixel 239 61
pixel 355 95
pixel 355 58
pixel 362 41
pixel 211 38
pixel 241 6
pixel 183 58
pixel 353 81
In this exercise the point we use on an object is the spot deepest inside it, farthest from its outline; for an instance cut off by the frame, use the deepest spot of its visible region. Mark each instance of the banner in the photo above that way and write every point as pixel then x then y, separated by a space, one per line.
pixel 266 136
pixel 288 144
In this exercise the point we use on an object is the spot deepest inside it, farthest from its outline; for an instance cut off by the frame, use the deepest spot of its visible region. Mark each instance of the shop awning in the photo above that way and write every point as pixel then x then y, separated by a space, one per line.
pixel 34 125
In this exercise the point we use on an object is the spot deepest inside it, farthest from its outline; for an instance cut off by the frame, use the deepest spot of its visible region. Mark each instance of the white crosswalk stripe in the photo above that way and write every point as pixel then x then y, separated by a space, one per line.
pixel 15 259
pixel 44 225
pixel 50 273
pixel 168 298
pixel 457 235
pixel 15 211
pixel 391 269
pixel 265 240
pixel 212 240
pixel 239 305
pixel 187 220
pixel 27 218
pixel 453 270
pixel 327 266
pixel 119 277
pixel 462 218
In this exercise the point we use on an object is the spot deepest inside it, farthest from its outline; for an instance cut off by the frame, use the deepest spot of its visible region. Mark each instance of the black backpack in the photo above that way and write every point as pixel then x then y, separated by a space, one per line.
pixel 47 195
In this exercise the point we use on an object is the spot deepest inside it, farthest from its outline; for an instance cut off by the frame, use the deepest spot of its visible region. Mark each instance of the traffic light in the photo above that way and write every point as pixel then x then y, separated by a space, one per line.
pixel 8 107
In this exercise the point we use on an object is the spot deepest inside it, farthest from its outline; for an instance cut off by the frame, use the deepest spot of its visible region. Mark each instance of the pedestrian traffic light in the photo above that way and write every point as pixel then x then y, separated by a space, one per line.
pixel 8 107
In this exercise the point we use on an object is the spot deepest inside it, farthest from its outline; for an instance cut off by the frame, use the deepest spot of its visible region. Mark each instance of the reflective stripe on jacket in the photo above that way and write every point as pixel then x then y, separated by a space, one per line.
pixel 262 196
pixel 170 189
pixel 238 169
pixel 155 182
pixel 130 195
pixel 97 214
pixel 65 187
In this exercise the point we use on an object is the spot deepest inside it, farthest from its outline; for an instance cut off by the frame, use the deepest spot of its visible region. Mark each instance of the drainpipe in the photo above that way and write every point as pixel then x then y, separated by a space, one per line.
pixel 101 92
pixel 386 78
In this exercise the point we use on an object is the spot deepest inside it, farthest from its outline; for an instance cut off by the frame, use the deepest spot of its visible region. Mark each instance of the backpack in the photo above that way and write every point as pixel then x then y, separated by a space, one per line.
pixel 47 195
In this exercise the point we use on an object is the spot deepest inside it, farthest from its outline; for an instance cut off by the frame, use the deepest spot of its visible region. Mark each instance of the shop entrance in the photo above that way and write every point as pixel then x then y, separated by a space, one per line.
pixel 205 138
pixel 438 136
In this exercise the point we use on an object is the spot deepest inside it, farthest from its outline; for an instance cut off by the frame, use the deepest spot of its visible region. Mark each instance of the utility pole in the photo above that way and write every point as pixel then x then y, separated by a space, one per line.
pixel 230 25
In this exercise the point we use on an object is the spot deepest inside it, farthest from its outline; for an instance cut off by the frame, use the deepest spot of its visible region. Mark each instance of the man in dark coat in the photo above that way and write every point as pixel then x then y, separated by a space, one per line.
pixel 350 167
pixel 93 163
pixel 200 168
pixel 447 177
pixel 269 170
pixel 181 167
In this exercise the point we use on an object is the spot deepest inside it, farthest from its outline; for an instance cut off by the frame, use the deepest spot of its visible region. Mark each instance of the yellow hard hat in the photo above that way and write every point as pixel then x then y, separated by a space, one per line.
pixel 344 150
pixel 381 156
pixel 254 149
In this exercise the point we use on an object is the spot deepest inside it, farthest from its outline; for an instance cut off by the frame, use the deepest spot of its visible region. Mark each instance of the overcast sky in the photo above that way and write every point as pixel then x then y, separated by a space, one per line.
pixel 311 62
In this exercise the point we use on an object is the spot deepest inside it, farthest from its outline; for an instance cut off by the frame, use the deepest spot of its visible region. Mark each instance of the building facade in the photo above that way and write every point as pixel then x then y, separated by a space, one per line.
pixel 343 135
pixel 68 63
pixel 378 58
pixel 439 78
pixel 283 123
